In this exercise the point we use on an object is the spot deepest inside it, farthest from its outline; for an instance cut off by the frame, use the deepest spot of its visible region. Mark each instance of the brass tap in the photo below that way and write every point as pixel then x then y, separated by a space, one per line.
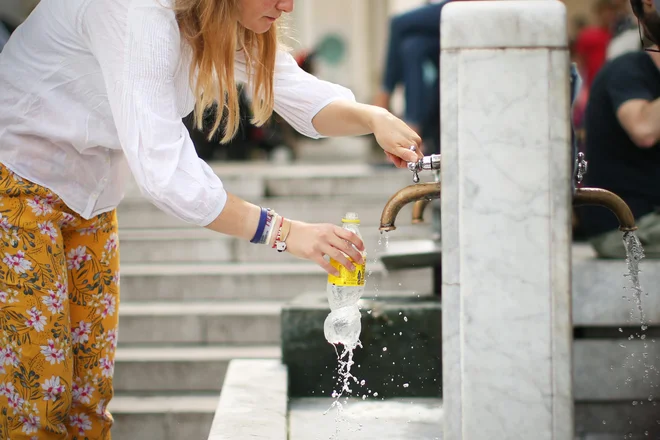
pixel 609 200
pixel 420 205
pixel 417 192
pixel 418 211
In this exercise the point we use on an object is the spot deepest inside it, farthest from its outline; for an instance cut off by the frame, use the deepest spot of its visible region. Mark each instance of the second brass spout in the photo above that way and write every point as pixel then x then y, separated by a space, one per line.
pixel 418 211
pixel 419 192
pixel 609 200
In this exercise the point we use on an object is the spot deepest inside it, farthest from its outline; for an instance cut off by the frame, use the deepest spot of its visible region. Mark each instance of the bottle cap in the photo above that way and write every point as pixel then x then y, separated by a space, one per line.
pixel 351 217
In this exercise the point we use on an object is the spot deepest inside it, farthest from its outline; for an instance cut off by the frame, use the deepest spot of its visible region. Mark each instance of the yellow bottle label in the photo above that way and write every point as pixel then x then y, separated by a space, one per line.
pixel 347 277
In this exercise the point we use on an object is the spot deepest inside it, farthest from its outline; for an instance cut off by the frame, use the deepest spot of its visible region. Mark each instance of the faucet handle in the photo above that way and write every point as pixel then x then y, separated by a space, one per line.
pixel 431 162
pixel 582 167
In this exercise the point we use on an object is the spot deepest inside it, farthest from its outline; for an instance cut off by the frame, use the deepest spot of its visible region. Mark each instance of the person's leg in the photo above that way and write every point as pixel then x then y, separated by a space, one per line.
pixel 610 244
pixel 416 53
pixel 649 234
pixel 36 364
pixel 421 21
pixel 92 256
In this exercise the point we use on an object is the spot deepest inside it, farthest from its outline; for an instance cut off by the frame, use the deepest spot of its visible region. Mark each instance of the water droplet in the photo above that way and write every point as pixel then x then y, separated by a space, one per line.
pixel 604 422
pixel 634 403
pixel 405 318
pixel 405 385
pixel 384 348
pixel 620 329
pixel 376 394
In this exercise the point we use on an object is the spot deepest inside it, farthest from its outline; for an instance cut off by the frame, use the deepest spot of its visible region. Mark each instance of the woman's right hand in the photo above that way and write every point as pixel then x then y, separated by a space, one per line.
pixel 314 241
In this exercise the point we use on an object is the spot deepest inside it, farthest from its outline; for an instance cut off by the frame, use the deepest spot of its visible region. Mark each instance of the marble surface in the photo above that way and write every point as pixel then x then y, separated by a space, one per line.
pixel 505 223
pixel 504 24
pixel 253 403
pixel 403 419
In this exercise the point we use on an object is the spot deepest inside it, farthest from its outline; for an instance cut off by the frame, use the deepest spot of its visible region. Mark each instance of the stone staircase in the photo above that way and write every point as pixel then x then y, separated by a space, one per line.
pixel 193 300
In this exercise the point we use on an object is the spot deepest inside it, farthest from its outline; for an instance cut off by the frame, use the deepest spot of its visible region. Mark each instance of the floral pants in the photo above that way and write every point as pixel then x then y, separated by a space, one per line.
pixel 59 293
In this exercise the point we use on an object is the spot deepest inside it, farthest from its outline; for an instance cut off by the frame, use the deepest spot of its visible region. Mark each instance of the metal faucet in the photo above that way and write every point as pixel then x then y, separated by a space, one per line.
pixel 602 197
pixel 420 205
pixel 418 192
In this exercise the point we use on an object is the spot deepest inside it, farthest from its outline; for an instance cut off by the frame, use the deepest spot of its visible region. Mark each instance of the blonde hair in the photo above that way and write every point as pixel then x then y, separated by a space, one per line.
pixel 211 28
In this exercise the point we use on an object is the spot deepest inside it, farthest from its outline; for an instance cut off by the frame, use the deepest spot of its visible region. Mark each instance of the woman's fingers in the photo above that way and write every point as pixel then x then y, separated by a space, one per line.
pixel 339 257
pixel 350 237
pixel 348 249
pixel 318 259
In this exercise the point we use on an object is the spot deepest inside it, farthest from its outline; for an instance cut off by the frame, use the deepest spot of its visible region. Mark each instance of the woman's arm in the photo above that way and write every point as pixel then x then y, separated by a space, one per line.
pixel 318 108
pixel 349 118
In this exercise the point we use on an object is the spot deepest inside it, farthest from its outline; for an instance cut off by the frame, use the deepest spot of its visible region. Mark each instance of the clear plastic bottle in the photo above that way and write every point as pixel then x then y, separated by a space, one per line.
pixel 342 326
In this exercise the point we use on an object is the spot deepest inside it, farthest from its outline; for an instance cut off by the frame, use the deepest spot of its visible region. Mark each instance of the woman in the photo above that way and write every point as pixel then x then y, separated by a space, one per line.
pixel 93 90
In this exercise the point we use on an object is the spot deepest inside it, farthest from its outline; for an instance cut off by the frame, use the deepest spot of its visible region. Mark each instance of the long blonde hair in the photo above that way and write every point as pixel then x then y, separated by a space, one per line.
pixel 211 28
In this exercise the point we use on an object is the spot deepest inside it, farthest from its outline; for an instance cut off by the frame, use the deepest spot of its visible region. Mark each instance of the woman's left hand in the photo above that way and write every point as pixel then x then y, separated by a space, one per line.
pixel 396 138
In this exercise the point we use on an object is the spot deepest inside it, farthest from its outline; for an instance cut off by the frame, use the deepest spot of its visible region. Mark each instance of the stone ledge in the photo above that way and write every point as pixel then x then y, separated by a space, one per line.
pixel 169 417
pixel 601 369
pixel 253 402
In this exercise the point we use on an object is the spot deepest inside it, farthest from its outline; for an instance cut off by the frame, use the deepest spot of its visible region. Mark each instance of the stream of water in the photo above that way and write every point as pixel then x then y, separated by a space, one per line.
pixel 634 254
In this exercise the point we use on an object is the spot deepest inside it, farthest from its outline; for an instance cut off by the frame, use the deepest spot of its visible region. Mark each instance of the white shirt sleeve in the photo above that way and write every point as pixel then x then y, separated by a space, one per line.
pixel 139 51
pixel 299 96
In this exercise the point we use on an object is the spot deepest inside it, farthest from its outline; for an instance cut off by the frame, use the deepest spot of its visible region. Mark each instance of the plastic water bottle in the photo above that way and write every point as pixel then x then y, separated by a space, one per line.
pixel 342 326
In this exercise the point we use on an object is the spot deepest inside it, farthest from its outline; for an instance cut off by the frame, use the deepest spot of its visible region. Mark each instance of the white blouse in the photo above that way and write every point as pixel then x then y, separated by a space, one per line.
pixel 92 90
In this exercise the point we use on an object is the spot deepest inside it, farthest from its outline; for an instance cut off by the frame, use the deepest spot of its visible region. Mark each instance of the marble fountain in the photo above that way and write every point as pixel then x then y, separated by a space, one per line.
pixel 523 342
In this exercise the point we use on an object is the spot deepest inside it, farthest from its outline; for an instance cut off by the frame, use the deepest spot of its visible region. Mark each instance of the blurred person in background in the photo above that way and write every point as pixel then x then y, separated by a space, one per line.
pixel 592 41
pixel 414 46
pixel 590 54
pixel 95 90
pixel 622 134
pixel 648 13
pixel 625 37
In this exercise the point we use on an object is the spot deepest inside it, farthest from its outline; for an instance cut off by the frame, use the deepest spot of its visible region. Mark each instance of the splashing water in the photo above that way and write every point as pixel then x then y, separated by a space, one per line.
pixel 634 254
pixel 346 379
pixel 345 361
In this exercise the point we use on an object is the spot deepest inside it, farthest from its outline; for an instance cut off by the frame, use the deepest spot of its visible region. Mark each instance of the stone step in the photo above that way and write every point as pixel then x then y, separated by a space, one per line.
pixel 252 282
pixel 253 402
pixel 166 245
pixel 180 369
pixel 165 417
pixel 139 213
pixel 258 179
pixel 616 369
pixel 602 294
pixel 200 323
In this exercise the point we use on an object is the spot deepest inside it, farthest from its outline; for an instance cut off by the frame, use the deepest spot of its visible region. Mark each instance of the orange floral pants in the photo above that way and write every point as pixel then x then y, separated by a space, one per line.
pixel 59 294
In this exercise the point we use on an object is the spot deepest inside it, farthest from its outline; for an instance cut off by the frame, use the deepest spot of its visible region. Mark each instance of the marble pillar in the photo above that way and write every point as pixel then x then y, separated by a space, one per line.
pixel 506 209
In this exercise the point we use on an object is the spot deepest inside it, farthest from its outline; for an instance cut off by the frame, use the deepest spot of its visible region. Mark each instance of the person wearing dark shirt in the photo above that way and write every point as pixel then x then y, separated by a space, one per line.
pixel 622 133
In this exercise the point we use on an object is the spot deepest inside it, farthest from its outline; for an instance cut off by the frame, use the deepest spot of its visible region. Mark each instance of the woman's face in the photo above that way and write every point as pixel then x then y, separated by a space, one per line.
pixel 259 15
